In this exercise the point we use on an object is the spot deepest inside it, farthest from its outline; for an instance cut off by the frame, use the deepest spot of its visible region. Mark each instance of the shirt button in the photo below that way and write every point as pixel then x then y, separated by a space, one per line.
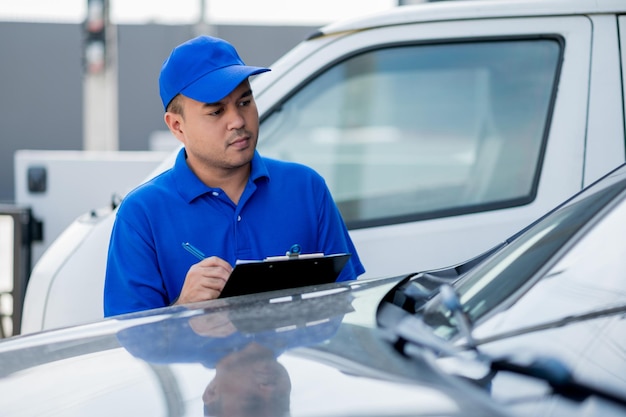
pixel 215 193
pixel 238 218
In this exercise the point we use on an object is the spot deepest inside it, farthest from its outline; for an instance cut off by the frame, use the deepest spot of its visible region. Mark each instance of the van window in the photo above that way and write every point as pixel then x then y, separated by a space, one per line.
pixel 423 131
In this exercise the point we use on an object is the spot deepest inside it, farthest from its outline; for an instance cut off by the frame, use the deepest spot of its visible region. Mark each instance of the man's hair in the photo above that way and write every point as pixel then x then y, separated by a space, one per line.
pixel 176 105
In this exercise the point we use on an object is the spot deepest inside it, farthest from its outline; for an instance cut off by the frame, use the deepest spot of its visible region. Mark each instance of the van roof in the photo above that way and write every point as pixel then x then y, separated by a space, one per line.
pixel 473 9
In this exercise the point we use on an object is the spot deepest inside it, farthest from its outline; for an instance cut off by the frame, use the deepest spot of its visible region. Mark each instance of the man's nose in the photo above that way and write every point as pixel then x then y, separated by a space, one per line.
pixel 235 119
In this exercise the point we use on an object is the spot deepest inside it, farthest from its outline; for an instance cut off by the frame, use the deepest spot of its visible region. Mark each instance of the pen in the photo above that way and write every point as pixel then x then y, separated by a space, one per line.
pixel 193 250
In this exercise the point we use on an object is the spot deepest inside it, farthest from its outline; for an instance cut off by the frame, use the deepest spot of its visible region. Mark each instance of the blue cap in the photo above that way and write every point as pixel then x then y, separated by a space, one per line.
pixel 205 69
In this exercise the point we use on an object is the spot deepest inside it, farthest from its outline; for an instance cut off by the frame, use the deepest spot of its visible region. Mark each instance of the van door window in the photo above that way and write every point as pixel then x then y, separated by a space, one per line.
pixel 423 131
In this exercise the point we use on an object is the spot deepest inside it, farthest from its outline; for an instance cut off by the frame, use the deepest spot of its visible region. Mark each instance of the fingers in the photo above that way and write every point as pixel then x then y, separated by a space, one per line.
pixel 215 262
pixel 215 324
pixel 205 280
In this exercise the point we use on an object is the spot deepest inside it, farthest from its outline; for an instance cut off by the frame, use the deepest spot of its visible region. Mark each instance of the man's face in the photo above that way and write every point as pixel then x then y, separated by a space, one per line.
pixel 249 383
pixel 219 136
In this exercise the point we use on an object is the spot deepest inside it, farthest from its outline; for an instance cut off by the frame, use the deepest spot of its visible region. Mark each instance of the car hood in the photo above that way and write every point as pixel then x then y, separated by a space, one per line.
pixel 316 352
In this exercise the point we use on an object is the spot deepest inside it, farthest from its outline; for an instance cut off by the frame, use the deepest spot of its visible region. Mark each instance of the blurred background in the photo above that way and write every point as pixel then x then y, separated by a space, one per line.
pixel 82 74
pixel 79 84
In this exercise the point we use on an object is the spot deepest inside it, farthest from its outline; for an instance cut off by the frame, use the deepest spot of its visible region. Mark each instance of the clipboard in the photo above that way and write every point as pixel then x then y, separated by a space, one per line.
pixel 284 272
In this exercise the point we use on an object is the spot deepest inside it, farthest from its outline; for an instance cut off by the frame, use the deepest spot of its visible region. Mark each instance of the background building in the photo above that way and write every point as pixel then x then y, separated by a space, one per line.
pixel 41 80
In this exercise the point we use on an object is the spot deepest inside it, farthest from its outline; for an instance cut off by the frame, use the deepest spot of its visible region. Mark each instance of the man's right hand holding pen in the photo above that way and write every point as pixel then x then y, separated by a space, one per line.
pixel 205 279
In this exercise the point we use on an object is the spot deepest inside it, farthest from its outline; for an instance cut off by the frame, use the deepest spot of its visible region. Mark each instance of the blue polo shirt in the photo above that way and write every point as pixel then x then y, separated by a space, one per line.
pixel 283 203
pixel 174 341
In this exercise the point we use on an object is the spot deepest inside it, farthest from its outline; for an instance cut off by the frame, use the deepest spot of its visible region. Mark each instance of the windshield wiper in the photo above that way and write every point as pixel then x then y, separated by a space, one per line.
pixel 559 377
pixel 451 301
pixel 409 333
pixel 574 318
pixel 415 290
pixel 409 330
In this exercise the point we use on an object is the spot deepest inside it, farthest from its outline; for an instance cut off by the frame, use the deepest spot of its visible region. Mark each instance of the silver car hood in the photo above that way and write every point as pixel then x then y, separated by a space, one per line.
pixel 313 353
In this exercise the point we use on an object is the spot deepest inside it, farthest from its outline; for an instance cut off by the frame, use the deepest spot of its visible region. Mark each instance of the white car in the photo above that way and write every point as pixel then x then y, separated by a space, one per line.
pixel 440 128
pixel 534 327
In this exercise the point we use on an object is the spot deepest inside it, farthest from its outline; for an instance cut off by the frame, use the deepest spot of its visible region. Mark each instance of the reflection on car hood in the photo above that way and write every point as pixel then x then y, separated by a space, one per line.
pixel 313 353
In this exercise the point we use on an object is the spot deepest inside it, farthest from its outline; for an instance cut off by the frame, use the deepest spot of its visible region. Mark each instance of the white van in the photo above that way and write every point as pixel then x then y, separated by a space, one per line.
pixel 441 129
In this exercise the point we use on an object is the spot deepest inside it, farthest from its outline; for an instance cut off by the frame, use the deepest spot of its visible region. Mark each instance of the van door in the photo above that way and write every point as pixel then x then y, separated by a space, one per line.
pixel 437 140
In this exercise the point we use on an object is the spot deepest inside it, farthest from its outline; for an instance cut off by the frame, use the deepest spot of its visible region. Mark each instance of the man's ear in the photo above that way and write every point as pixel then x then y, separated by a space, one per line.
pixel 209 396
pixel 174 124
pixel 211 401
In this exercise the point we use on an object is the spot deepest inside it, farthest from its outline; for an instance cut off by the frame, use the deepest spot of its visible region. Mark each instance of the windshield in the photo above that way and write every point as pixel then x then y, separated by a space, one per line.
pixel 512 271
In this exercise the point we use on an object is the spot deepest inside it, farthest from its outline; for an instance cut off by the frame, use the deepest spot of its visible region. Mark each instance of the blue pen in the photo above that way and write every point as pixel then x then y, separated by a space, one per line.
pixel 193 250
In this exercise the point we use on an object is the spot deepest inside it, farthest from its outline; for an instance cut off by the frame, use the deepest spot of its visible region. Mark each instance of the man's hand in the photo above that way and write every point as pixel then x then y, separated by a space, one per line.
pixel 205 280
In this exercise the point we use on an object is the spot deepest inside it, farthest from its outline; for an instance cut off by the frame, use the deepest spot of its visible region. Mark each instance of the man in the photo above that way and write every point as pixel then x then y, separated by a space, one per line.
pixel 249 382
pixel 221 196
pixel 243 350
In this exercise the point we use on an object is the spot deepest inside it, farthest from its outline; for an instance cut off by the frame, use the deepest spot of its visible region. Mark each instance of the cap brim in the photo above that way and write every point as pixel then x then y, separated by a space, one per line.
pixel 217 84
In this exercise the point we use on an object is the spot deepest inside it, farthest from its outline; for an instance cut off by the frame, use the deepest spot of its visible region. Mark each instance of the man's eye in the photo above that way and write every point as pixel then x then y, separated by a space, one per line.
pixel 244 103
pixel 216 112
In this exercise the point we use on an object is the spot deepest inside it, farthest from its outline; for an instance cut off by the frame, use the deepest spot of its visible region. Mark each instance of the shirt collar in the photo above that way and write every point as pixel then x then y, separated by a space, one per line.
pixel 190 187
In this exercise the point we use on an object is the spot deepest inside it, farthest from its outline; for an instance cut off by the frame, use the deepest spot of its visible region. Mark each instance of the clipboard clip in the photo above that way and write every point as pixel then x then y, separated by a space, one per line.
pixel 294 251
